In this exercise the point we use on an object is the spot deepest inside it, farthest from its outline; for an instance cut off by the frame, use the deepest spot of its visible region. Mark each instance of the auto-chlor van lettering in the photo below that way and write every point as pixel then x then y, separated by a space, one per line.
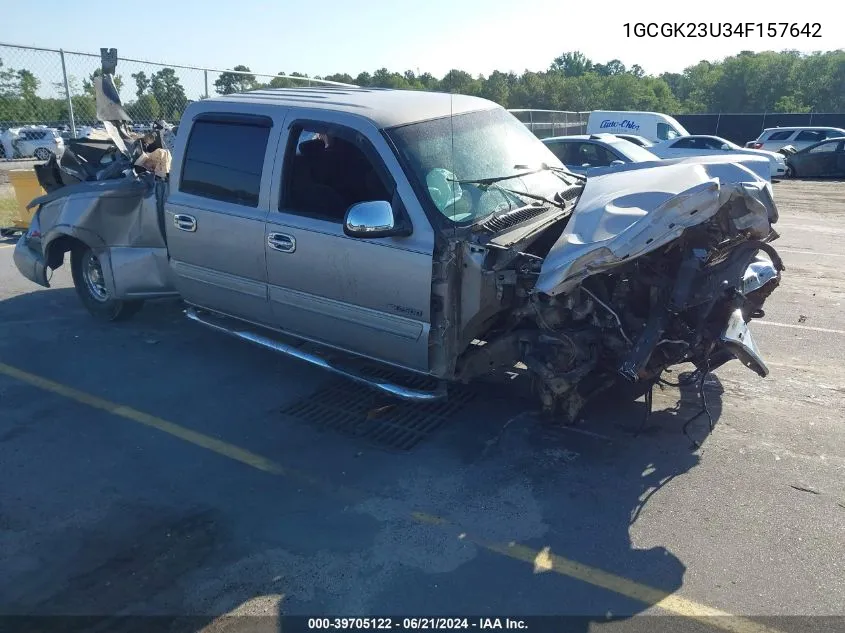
pixel 651 125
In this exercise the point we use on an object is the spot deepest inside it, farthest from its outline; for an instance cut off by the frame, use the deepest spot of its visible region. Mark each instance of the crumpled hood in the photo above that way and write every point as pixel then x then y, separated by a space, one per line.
pixel 640 207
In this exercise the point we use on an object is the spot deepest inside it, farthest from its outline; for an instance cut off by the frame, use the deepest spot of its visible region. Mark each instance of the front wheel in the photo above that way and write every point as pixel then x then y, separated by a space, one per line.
pixel 790 172
pixel 91 287
pixel 42 153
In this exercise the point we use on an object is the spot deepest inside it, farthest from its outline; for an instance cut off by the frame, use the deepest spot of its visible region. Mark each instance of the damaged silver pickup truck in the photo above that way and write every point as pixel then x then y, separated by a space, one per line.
pixel 426 231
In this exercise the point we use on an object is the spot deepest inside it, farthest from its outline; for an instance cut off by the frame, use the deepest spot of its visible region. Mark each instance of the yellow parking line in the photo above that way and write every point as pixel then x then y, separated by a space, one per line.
pixel 198 439
pixel 543 560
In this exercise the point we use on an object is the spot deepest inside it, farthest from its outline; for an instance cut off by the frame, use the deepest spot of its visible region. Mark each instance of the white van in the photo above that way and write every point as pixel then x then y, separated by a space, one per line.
pixel 651 125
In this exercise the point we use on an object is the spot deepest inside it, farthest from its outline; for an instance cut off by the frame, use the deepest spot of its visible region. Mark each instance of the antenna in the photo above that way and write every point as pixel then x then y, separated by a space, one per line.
pixel 452 132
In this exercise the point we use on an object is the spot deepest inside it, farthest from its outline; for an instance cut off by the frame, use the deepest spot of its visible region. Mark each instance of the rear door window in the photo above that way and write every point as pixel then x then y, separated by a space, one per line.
pixel 592 154
pixel 224 159
pixel 812 136
pixel 684 143
pixel 781 135
pixel 824 148
pixel 712 143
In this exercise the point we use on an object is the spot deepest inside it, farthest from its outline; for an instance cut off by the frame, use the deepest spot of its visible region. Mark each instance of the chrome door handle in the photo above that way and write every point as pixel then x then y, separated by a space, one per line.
pixel 185 222
pixel 281 242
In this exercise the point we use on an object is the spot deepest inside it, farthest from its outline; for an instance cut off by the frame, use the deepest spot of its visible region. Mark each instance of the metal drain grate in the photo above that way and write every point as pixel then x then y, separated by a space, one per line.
pixel 351 409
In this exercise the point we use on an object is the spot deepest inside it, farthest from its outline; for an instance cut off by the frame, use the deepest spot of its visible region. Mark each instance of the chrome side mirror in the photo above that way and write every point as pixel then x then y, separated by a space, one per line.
pixel 371 219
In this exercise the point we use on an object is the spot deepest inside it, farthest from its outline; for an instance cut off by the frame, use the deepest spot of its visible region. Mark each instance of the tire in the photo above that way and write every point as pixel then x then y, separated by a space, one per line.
pixel 42 153
pixel 90 286
pixel 790 172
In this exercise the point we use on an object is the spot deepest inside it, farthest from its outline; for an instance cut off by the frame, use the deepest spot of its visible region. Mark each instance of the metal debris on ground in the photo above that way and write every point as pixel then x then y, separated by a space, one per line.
pixel 804 488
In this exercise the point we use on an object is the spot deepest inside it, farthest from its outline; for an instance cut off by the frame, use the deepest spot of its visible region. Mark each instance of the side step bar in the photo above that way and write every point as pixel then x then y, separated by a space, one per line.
pixel 397 391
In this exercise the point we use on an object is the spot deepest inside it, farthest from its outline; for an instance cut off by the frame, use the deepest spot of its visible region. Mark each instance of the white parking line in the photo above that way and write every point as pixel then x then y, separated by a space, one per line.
pixel 800 327
pixel 817 254
pixel 815 228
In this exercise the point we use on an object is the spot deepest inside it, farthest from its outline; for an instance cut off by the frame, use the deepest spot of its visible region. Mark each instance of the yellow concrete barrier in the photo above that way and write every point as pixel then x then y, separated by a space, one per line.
pixel 25 184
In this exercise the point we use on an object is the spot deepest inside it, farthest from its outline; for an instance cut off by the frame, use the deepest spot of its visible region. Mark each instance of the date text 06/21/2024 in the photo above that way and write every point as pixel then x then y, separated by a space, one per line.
pixel 413 624
pixel 722 29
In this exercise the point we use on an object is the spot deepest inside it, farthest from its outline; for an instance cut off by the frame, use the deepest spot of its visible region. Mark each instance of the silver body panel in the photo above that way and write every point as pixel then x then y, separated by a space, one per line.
pixel 368 296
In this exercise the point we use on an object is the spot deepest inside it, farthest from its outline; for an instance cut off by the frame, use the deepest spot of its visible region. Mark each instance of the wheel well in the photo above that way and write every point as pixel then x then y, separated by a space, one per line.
pixel 58 247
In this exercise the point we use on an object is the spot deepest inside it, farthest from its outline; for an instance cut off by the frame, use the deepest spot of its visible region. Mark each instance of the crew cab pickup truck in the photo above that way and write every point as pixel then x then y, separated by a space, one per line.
pixel 426 231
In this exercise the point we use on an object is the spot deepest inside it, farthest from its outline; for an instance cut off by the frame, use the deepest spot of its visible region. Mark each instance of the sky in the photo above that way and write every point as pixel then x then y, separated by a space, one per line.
pixel 320 37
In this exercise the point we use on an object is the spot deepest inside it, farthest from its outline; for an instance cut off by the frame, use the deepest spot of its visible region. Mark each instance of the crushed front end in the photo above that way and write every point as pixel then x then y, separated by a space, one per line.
pixel 655 267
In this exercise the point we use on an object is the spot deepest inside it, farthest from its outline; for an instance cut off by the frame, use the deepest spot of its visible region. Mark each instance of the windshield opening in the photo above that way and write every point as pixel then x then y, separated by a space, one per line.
pixel 666 132
pixel 442 155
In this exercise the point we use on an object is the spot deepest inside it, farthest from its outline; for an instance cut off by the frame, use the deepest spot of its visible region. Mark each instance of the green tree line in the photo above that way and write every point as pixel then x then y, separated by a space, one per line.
pixel 786 81
pixel 159 95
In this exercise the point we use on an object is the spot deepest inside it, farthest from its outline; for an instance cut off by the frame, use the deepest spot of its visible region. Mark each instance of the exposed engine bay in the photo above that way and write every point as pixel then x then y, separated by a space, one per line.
pixel 614 307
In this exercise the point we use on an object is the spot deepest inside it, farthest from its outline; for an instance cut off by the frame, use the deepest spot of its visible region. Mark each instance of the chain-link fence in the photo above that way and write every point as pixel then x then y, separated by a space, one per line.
pixel 548 123
pixel 55 89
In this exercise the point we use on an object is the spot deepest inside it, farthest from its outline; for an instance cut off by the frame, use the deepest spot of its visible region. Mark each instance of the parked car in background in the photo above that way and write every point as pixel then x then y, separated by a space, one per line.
pixel 651 125
pixel 642 141
pixel 702 145
pixel 822 159
pixel 773 138
pixel 27 142
pixel 583 154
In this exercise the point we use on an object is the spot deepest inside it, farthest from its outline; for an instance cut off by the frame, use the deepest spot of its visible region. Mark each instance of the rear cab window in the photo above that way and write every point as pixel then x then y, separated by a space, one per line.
pixel 224 158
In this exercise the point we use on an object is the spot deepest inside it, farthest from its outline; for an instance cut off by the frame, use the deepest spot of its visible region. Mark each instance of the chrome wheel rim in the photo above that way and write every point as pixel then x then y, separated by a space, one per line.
pixel 92 273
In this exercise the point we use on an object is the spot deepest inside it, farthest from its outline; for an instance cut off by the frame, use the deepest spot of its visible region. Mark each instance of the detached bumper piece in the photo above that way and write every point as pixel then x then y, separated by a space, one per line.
pixel 737 338
pixel 740 301
pixel 30 263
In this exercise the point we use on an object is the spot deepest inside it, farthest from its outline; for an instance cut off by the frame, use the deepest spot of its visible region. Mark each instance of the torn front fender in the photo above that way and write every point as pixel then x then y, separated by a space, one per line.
pixel 643 206
pixel 121 220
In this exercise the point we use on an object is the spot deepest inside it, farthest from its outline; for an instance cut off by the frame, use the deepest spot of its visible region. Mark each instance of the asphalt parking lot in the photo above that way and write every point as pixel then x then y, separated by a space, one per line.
pixel 156 467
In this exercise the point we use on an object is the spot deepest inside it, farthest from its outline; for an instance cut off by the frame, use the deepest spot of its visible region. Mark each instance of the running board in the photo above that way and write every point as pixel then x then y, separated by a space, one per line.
pixel 397 391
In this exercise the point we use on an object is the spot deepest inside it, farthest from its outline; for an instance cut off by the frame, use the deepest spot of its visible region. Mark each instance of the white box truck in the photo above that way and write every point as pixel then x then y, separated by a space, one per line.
pixel 654 126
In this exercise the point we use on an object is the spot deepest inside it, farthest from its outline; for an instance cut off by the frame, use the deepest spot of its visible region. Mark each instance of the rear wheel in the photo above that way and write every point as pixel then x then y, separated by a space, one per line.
pixel 42 153
pixel 91 287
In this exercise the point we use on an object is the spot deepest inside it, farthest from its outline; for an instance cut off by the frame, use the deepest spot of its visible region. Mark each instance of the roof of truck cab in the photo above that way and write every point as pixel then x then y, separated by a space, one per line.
pixel 384 107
